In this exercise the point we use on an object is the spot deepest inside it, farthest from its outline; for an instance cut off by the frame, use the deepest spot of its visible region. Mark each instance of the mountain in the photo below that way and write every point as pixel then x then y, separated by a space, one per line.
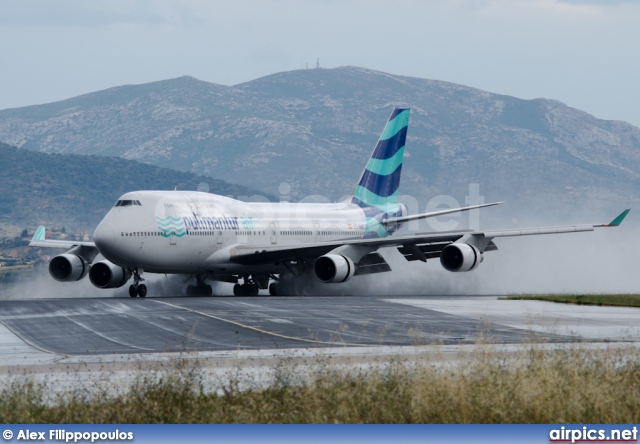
pixel 315 129
pixel 77 191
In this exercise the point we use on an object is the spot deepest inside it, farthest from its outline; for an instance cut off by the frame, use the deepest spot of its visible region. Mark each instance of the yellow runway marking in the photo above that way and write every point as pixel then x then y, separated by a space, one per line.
pixel 256 328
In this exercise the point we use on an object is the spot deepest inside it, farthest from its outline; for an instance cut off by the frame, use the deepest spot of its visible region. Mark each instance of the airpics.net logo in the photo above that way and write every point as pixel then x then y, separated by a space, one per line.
pixel 591 434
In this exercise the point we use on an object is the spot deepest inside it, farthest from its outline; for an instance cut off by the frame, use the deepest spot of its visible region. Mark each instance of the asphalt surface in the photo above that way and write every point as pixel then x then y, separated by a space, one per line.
pixel 75 327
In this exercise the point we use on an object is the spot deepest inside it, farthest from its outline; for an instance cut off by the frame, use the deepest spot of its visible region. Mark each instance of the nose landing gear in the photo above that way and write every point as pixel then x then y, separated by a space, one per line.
pixel 137 289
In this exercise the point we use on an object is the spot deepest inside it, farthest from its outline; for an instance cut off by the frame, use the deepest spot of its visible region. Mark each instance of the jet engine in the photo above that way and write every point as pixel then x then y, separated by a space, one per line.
pixel 68 268
pixel 105 274
pixel 334 268
pixel 460 257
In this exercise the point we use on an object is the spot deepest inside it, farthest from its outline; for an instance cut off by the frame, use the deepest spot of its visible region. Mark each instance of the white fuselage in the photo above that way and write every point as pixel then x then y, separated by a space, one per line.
pixel 193 232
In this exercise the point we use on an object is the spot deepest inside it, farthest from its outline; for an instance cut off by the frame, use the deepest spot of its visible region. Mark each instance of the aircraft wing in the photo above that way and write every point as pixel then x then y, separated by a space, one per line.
pixel 419 246
pixel 60 244
pixel 248 255
pixel 39 241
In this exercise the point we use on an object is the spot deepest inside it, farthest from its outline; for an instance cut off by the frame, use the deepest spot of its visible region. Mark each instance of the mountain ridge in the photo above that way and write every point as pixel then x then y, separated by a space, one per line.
pixel 315 130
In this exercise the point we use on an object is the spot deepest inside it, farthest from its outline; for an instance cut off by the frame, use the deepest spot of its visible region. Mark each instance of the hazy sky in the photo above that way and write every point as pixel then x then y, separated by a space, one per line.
pixel 585 53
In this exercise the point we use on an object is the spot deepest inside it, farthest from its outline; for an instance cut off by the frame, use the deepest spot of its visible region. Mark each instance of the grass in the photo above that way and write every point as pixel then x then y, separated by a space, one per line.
pixel 566 386
pixel 620 300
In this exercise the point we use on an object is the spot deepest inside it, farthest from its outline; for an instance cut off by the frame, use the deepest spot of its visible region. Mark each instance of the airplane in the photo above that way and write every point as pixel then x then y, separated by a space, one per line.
pixel 259 246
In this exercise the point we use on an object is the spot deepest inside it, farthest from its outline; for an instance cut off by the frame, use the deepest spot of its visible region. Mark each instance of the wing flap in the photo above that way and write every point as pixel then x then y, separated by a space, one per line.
pixel 372 263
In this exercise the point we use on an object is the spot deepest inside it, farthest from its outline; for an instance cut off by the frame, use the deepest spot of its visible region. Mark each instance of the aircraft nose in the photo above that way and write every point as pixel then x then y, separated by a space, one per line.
pixel 104 237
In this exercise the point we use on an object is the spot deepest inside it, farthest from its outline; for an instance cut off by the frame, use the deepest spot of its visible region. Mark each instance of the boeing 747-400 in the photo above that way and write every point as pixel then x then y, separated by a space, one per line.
pixel 263 245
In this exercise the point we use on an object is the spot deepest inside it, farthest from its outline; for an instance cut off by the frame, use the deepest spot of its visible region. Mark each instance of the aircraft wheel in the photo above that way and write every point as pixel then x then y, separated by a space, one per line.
pixel 237 290
pixel 274 289
pixel 191 290
pixel 132 291
pixel 208 290
pixel 142 290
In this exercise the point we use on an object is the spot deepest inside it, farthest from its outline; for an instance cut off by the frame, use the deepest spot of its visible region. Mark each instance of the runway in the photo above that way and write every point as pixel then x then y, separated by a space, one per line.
pixel 64 328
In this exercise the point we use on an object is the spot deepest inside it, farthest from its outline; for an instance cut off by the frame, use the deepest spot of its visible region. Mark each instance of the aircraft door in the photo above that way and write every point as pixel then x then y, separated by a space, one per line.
pixel 172 238
pixel 274 233
pixel 219 237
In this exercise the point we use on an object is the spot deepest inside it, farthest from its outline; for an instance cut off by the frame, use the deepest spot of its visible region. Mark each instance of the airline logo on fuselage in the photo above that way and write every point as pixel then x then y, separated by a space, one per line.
pixel 181 225
pixel 171 226
pixel 211 222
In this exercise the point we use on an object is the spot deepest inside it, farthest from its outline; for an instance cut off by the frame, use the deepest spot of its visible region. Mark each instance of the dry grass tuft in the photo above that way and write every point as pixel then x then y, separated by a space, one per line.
pixel 568 386
pixel 619 300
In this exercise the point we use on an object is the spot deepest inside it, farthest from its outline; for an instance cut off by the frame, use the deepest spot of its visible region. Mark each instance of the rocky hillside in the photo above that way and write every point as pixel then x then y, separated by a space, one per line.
pixel 315 129
pixel 77 191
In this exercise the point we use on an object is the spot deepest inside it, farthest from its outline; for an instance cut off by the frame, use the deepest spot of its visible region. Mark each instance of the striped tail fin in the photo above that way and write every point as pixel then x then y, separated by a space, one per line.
pixel 378 185
pixel 377 190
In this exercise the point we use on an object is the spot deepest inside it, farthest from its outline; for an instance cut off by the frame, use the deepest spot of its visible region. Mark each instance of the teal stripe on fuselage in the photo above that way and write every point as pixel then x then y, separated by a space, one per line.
pixel 171 224
pixel 374 226
pixel 395 125
pixel 384 167
pixel 176 234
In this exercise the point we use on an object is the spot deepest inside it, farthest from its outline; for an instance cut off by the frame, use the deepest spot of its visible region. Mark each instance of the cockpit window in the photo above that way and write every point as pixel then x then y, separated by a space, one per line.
pixel 126 203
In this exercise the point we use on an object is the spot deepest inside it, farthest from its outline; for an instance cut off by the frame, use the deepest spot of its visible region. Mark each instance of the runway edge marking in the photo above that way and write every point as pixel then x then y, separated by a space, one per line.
pixel 34 345
pixel 258 329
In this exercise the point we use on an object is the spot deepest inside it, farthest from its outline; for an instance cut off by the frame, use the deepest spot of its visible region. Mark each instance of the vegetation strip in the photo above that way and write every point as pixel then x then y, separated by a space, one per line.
pixel 535 386
pixel 619 300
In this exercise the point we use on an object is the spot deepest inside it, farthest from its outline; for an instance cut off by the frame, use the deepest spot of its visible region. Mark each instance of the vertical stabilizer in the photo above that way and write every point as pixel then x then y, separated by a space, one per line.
pixel 377 190
pixel 378 185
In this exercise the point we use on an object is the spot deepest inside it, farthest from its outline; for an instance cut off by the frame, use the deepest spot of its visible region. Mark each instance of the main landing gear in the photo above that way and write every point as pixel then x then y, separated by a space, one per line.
pixel 252 285
pixel 200 289
pixel 137 289
pixel 245 290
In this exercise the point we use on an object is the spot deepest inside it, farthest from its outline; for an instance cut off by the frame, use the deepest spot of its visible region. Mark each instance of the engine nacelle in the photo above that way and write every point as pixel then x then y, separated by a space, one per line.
pixel 334 268
pixel 68 268
pixel 105 274
pixel 460 257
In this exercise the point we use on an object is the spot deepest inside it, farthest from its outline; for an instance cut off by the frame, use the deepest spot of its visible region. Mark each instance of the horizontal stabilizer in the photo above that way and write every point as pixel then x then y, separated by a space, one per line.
pixel 403 219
